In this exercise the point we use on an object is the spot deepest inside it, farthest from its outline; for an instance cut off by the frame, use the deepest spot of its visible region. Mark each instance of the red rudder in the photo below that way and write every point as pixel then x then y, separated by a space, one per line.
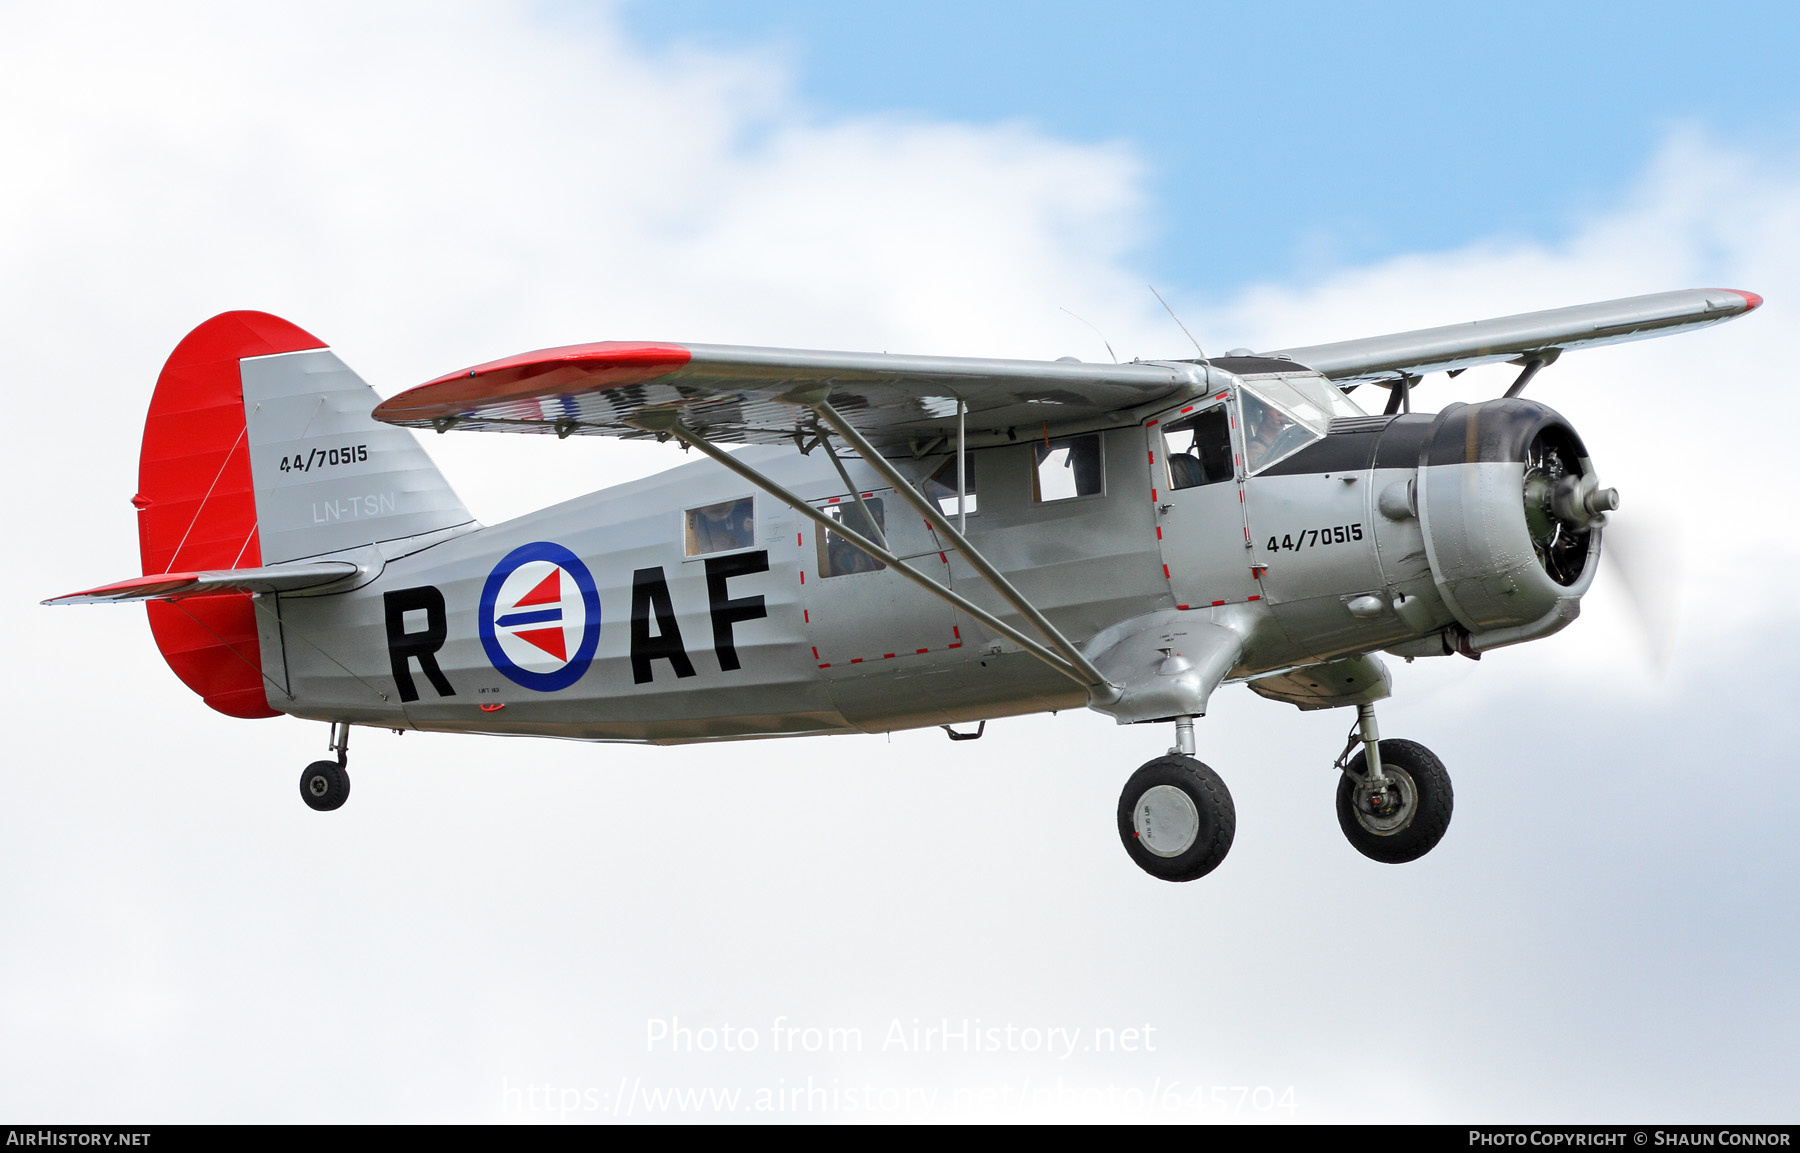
pixel 197 507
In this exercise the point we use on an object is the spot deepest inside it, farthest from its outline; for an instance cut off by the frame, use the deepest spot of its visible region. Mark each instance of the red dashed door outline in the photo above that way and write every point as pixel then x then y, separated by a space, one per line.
pixel 1203 530
pixel 855 618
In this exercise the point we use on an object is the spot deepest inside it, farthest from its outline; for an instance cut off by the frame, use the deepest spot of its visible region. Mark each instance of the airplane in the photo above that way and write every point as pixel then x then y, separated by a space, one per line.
pixel 898 542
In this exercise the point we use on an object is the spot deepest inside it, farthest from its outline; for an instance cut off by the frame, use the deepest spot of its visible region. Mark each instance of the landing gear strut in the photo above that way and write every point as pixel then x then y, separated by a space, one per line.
pixel 325 785
pixel 1176 818
pixel 1394 798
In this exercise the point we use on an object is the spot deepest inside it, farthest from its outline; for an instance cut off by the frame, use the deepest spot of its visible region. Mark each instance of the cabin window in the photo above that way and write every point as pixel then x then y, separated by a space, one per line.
pixel 837 556
pixel 721 527
pixel 940 487
pixel 1198 449
pixel 1067 467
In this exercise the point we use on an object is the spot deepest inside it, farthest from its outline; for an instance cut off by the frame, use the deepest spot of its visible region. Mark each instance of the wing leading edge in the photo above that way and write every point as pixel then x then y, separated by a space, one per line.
pixel 1527 336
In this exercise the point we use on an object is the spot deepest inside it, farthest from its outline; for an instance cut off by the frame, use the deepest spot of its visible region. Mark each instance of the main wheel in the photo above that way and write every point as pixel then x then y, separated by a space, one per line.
pixel 324 786
pixel 1176 818
pixel 1407 819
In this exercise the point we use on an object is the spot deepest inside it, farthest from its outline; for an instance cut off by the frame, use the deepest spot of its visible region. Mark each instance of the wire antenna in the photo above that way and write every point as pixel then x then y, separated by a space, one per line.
pixel 1097 332
pixel 1176 319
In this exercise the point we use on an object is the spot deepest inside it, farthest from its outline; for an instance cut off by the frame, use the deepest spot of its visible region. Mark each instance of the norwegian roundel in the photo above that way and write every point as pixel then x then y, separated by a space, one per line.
pixel 540 617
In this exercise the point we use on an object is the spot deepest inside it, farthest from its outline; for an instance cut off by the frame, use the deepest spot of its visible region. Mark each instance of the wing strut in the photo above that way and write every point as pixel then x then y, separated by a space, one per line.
pixel 962 465
pixel 1400 395
pixel 1080 670
pixel 1532 364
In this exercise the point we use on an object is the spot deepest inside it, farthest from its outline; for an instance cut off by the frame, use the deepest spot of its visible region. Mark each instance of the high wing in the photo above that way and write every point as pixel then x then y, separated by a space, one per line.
pixel 173 586
pixel 742 395
pixel 1529 336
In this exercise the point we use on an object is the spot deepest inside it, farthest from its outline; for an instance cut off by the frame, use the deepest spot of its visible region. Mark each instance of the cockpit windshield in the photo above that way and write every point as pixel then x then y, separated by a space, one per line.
pixel 1270 434
pixel 1325 394
pixel 1283 414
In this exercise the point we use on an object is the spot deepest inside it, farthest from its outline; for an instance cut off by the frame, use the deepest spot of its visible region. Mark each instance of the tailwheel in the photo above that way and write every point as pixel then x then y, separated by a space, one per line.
pixel 1402 815
pixel 1176 818
pixel 324 786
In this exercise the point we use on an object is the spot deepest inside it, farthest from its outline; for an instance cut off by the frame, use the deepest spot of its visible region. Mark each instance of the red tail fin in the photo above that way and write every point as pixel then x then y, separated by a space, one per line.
pixel 197 507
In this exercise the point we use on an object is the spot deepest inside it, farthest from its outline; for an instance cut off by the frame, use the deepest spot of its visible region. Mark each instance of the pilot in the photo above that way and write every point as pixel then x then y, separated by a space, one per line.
pixel 1268 433
pixel 1259 433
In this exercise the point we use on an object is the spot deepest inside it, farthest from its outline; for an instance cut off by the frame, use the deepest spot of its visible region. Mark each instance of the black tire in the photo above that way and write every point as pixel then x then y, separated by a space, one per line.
pixel 324 786
pixel 1194 837
pixel 1412 830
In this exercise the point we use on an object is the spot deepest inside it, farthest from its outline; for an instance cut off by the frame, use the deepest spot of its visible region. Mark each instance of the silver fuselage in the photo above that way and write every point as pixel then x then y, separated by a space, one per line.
pixel 1300 559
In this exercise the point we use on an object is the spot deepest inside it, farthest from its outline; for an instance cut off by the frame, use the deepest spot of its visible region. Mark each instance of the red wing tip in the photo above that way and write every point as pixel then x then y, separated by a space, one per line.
pixel 601 355
pixel 1752 302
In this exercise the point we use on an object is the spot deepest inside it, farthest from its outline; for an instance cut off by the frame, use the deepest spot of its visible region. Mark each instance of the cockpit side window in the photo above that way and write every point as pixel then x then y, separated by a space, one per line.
pixel 1198 449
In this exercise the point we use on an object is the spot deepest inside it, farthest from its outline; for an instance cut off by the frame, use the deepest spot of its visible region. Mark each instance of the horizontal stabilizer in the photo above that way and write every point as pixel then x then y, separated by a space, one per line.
pixel 172 586
pixel 1540 335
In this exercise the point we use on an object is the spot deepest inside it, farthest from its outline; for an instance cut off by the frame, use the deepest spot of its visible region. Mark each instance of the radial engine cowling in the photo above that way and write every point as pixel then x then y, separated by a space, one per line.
pixel 1512 512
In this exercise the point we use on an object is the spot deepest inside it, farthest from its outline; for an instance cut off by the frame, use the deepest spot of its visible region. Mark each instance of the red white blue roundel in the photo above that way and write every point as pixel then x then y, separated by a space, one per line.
pixel 540 617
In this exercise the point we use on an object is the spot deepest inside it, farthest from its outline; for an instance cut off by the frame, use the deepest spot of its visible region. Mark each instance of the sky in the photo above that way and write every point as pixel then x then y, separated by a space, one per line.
pixel 1431 125
pixel 517 931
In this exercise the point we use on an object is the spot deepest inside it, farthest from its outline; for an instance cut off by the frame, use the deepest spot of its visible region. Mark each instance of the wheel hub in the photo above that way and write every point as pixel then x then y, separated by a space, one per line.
pixel 1166 821
pixel 1386 810
pixel 318 786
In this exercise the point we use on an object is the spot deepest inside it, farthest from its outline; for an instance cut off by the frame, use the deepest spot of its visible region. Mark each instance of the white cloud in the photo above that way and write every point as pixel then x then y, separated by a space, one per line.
pixel 431 186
